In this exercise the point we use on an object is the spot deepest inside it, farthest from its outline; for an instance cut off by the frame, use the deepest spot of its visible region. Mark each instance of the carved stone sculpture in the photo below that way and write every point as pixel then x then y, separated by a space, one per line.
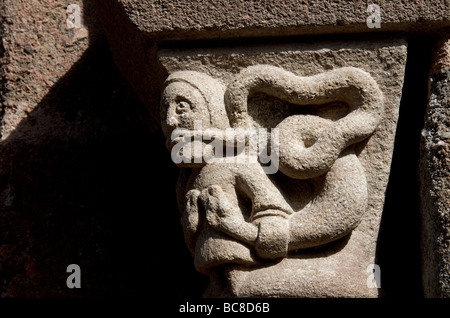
pixel 259 233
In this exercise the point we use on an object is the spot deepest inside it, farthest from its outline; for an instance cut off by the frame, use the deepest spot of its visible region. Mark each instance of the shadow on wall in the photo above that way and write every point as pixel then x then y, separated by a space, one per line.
pixel 83 180
pixel 398 249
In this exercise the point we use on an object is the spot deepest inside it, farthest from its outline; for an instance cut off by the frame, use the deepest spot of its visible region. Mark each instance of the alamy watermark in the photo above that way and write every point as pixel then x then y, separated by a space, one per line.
pixel 74 279
pixel 374 278
pixel 74 19
pixel 374 19
pixel 232 145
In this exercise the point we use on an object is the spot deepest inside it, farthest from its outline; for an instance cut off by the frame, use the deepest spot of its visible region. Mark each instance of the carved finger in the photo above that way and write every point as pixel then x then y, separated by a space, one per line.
pixel 190 218
pixel 213 219
pixel 215 205
pixel 218 193
pixel 205 200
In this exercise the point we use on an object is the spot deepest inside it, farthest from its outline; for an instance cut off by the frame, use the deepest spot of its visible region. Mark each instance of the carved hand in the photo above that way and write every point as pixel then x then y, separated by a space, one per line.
pixel 190 218
pixel 223 216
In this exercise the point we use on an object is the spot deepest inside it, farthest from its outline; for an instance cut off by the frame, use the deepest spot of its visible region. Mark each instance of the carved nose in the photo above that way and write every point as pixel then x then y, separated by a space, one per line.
pixel 172 122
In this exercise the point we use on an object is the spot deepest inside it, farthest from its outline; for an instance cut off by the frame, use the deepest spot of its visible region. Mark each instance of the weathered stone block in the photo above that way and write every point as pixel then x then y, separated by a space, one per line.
pixel 434 169
pixel 310 92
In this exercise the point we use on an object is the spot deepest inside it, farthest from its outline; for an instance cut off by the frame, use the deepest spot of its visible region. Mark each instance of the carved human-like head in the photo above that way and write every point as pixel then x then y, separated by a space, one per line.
pixel 190 96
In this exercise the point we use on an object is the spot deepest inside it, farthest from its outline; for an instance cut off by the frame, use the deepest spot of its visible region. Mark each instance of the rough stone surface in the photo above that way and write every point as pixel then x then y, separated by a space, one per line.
pixel 435 176
pixel 74 157
pixel 39 49
pixel 136 28
pixel 258 228
pixel 179 19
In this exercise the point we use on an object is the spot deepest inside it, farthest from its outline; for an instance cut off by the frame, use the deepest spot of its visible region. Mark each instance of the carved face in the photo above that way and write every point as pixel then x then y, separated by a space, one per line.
pixel 181 105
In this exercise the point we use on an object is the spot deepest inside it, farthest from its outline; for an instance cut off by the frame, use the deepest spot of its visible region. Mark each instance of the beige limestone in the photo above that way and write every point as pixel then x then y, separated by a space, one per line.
pixel 309 230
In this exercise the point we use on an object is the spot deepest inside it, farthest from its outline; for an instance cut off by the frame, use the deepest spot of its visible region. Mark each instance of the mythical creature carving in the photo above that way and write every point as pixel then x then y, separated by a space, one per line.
pixel 234 213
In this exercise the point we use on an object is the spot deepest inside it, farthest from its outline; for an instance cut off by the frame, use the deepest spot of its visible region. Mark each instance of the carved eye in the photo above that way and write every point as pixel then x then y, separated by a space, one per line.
pixel 183 106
